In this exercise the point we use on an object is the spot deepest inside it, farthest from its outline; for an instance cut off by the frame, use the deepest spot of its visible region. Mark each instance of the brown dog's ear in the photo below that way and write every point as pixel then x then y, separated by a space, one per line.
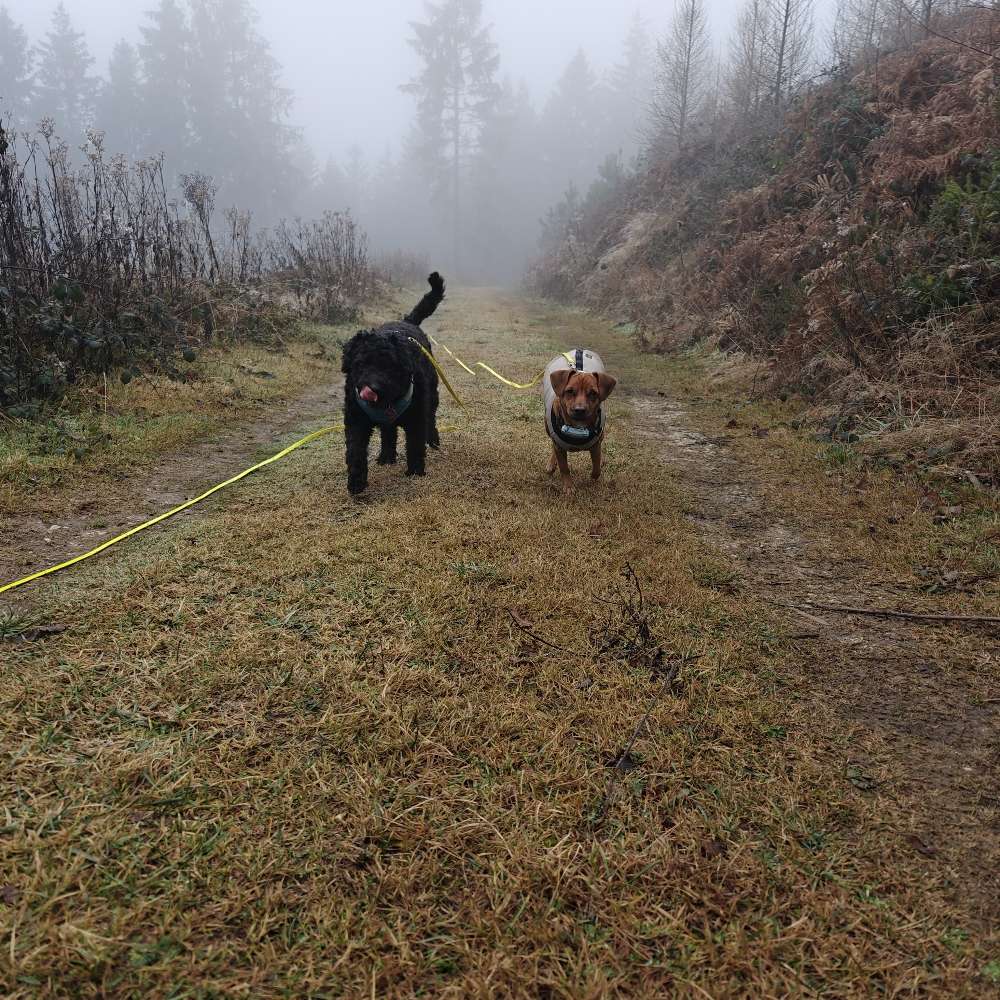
pixel 606 385
pixel 560 379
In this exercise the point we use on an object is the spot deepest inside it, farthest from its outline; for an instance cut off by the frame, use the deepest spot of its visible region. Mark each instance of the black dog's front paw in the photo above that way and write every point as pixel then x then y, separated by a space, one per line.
pixel 384 459
pixel 356 485
pixel 417 472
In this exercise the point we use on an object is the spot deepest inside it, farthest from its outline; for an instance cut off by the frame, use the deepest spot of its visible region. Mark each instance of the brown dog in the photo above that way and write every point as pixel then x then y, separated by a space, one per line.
pixel 574 387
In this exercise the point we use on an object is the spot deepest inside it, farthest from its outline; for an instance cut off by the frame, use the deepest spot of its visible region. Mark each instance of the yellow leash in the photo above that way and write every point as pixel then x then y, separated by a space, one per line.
pixel 444 378
pixel 454 356
pixel 506 381
pixel 308 439
pixel 486 368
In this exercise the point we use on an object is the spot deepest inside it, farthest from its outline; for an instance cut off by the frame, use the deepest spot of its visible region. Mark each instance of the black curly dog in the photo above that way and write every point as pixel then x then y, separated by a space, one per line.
pixel 391 384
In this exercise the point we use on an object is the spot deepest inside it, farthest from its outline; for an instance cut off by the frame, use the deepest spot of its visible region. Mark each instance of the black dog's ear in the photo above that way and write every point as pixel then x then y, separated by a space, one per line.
pixel 351 350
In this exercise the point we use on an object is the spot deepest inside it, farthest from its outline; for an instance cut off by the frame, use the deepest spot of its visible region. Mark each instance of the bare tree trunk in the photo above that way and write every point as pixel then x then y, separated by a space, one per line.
pixel 682 79
pixel 791 46
pixel 779 63
pixel 456 166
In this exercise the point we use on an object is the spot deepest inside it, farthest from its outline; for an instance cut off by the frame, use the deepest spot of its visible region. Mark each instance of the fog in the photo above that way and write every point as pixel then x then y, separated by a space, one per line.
pixel 345 61
pixel 355 139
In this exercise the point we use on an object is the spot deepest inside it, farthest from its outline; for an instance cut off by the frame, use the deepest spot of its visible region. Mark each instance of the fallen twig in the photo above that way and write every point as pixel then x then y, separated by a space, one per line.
pixel 619 765
pixel 534 635
pixel 883 613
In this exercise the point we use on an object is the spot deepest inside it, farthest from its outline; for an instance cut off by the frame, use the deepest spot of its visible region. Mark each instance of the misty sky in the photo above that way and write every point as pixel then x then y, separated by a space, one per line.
pixel 345 59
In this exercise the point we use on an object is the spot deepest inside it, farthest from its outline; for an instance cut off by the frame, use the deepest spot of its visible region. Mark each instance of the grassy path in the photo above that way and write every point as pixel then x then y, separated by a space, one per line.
pixel 299 746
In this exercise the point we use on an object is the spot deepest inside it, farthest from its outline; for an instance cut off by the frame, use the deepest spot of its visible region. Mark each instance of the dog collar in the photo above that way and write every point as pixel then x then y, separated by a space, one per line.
pixel 388 414
pixel 580 437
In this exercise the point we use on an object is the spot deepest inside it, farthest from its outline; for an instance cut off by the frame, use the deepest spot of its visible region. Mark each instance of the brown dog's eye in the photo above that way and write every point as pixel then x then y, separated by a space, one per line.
pixel 592 394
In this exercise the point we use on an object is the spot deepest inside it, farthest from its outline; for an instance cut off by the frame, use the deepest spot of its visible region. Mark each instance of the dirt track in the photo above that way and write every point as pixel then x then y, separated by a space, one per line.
pixel 286 653
pixel 915 697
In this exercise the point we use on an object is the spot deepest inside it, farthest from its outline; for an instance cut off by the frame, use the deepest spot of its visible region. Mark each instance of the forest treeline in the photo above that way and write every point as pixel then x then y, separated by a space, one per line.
pixel 484 159
pixel 202 89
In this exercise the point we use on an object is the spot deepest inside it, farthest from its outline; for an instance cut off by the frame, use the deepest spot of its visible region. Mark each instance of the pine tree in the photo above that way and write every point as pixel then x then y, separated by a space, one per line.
pixel 239 109
pixel 630 85
pixel 330 193
pixel 402 217
pixel 65 90
pixel 570 132
pixel 120 105
pixel 684 75
pixel 15 69
pixel 505 197
pixel 457 94
pixel 165 59
pixel 357 183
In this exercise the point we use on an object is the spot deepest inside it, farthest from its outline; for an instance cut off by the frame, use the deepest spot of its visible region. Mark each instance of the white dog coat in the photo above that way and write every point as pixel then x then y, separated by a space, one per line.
pixel 569 438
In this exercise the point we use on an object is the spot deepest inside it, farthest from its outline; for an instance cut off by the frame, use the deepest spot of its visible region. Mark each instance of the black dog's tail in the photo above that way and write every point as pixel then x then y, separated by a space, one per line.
pixel 429 303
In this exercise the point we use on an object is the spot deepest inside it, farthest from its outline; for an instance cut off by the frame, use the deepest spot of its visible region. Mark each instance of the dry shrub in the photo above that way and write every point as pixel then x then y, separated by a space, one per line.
pixel 855 245
pixel 102 266
pixel 402 268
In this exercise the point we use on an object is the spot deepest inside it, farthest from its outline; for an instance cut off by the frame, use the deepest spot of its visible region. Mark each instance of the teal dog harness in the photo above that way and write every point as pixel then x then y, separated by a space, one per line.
pixel 385 415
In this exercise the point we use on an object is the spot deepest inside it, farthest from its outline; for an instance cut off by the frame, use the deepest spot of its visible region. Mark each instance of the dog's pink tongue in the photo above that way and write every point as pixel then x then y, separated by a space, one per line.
pixel 369 395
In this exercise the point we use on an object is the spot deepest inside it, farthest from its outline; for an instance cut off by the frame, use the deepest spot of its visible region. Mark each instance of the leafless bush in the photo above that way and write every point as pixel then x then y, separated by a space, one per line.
pixel 323 264
pixel 102 266
pixel 401 268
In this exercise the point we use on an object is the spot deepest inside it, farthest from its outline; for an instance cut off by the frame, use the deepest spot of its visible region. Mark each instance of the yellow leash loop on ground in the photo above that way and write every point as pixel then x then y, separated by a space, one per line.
pixel 308 439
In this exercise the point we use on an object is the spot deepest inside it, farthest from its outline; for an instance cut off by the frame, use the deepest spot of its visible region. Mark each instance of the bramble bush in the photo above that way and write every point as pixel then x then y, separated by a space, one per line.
pixel 104 268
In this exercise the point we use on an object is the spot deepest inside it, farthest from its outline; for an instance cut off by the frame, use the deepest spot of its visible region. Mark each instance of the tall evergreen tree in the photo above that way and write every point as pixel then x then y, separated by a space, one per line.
pixel 65 90
pixel 357 180
pixel 630 85
pixel 120 110
pixel 457 94
pixel 164 60
pixel 15 68
pixel 571 128
pixel 330 193
pixel 400 216
pixel 505 198
pixel 239 109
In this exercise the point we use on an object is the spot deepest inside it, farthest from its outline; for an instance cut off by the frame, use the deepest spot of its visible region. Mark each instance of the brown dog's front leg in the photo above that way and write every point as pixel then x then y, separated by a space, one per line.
pixel 553 462
pixel 595 460
pixel 563 461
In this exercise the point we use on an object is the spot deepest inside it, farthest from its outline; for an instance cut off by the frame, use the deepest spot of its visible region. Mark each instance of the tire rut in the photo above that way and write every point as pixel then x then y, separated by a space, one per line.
pixel 906 692
pixel 82 521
